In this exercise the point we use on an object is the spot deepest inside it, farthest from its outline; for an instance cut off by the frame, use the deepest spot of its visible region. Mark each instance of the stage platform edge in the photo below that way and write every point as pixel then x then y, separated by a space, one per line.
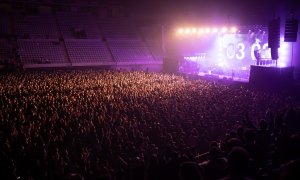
pixel 271 77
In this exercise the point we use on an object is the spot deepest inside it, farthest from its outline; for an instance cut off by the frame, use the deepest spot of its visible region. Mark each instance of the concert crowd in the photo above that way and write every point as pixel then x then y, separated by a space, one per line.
pixel 109 125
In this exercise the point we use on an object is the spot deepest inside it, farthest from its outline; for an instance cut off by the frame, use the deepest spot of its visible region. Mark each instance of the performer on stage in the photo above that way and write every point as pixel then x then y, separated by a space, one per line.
pixel 257 56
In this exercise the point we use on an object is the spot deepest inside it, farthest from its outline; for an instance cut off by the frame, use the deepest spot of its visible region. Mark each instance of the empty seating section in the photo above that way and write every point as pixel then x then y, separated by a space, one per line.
pixel 155 47
pixel 41 51
pixel 84 35
pixel 42 26
pixel 75 25
pixel 5 50
pixel 5 44
pixel 129 50
pixel 118 28
pixel 87 51
pixel 151 33
pixel 102 12
pixel 4 24
pixel 152 37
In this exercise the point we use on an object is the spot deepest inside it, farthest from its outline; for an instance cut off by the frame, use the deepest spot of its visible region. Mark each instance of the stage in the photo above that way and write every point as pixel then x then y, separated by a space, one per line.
pixel 272 77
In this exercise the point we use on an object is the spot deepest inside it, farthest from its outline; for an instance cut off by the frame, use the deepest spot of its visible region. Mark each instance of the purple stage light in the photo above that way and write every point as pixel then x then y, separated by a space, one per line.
pixel 281 64
pixel 284 52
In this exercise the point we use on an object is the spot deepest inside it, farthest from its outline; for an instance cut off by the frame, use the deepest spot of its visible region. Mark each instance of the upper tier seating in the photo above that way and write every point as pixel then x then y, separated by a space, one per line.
pixel 5 26
pixel 118 28
pixel 151 33
pixel 78 25
pixel 41 26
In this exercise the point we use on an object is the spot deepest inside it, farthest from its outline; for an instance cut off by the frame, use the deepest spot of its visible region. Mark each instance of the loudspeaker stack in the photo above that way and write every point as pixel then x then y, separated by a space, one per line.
pixel 274 37
pixel 274 33
pixel 291 30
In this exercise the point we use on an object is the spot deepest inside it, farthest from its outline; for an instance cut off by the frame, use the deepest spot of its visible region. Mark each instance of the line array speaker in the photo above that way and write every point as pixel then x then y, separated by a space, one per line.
pixel 291 30
pixel 274 53
pixel 274 33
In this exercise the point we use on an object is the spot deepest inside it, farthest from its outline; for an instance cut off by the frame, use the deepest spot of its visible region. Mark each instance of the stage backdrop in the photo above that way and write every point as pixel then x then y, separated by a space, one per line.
pixel 225 53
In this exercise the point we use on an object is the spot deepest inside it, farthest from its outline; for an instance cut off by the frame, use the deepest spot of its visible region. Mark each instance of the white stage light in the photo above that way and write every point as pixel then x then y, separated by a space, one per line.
pixel 224 29
pixel 200 31
pixel 180 31
pixel 233 29
pixel 194 30
pixel 187 31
